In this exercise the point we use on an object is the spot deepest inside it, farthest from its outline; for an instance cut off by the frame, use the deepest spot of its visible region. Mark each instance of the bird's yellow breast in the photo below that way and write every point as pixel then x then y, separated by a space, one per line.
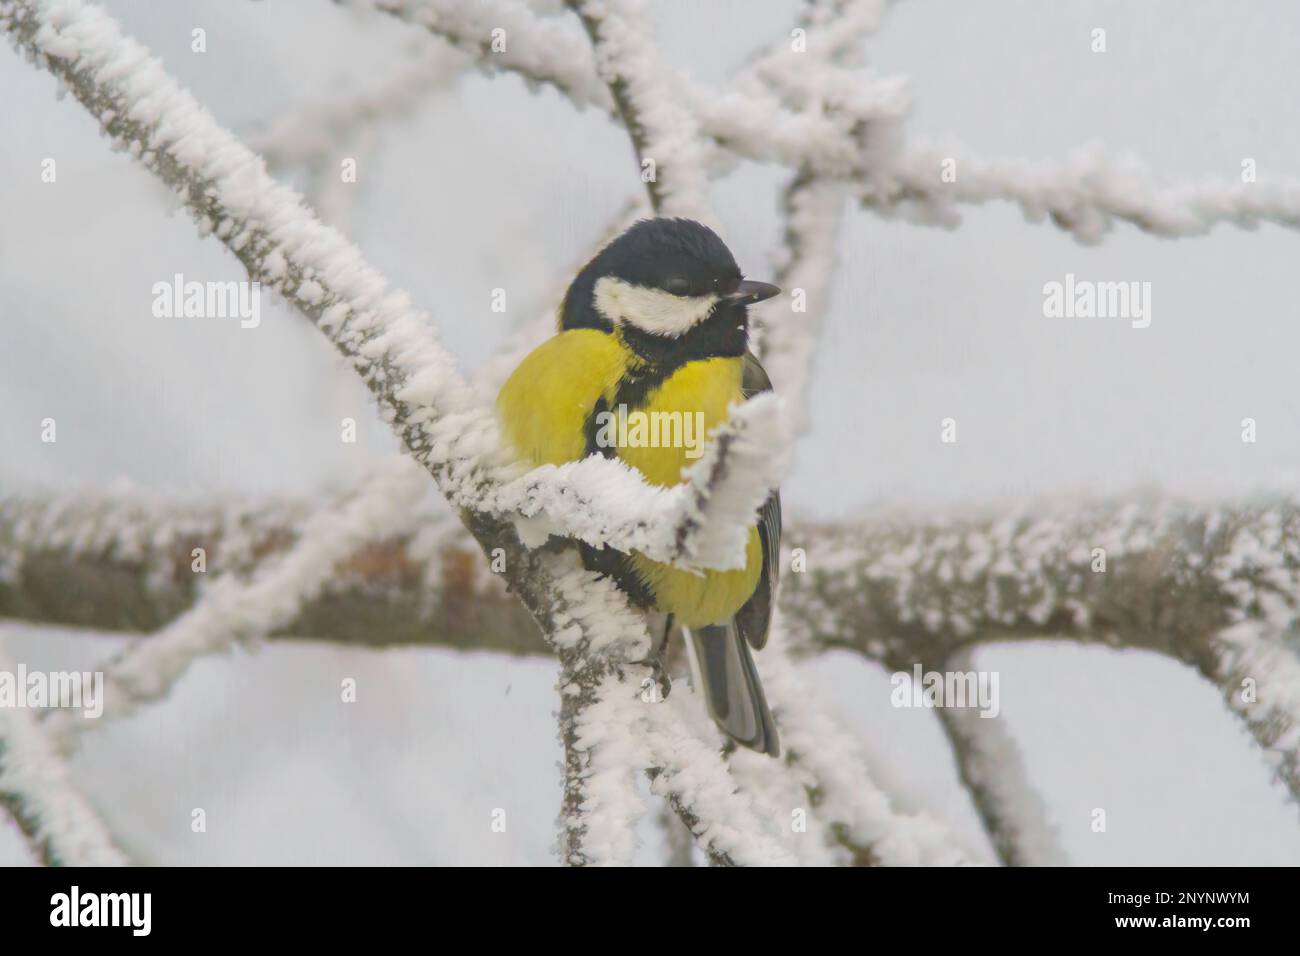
pixel 544 405
pixel 544 410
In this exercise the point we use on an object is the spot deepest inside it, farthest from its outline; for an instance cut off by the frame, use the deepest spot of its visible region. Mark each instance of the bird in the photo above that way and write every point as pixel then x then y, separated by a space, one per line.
pixel 657 322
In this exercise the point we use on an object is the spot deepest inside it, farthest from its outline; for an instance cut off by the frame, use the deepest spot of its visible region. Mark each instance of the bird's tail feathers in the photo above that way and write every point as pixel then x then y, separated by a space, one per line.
pixel 731 688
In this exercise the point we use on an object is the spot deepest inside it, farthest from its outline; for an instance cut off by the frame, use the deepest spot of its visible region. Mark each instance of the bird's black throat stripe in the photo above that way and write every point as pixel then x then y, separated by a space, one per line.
pixel 724 334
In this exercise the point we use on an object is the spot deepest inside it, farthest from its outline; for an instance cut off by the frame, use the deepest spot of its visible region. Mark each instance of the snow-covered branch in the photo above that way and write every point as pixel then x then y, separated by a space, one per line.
pixel 989 763
pixel 318 134
pixel 507 36
pixel 1200 585
pixel 233 610
pixel 601 717
pixel 688 771
pixel 664 134
pixel 845 124
pixel 1258 671
pixel 553 51
pixel 1085 195
pixel 786 328
pixel 831 766
pixel 57 822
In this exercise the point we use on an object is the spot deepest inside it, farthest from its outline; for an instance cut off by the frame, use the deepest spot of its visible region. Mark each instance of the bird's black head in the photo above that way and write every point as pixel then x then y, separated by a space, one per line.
pixel 667 285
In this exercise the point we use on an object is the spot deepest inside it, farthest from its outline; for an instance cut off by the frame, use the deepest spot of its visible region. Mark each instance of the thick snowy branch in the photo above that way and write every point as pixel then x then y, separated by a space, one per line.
pixel 55 819
pixel 1084 195
pixel 1258 671
pixel 1199 585
pixel 1204 585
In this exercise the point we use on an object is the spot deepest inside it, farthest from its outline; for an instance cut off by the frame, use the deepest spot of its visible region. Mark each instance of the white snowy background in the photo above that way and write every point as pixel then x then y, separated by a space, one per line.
pixel 488 185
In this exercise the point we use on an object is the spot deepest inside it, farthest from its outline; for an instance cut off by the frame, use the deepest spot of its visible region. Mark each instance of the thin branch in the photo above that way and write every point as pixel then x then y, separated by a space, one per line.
pixel 59 825
pixel 989 763
pixel 787 329
pixel 665 136
pixel 1086 195
pixel 553 52
pixel 692 776
pixel 839 786
pixel 233 610
pixel 544 51
pixel 317 134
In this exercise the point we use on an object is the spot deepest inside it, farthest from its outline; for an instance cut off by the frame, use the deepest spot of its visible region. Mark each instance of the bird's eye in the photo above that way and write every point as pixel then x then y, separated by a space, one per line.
pixel 726 286
pixel 678 286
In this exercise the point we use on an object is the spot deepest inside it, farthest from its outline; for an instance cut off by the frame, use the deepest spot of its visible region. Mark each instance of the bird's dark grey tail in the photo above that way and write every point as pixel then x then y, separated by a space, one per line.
pixel 731 688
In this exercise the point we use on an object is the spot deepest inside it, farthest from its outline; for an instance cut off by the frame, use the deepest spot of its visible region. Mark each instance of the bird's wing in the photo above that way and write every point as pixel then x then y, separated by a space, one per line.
pixel 755 617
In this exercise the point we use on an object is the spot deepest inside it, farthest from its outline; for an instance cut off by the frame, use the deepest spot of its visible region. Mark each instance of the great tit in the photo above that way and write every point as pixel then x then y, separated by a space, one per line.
pixel 655 329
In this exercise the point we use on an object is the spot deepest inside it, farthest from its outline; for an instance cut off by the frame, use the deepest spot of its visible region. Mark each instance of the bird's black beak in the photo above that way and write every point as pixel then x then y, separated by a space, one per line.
pixel 749 292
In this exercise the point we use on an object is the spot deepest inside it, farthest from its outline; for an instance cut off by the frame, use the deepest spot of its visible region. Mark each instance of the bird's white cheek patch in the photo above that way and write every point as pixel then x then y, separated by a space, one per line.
pixel 652 310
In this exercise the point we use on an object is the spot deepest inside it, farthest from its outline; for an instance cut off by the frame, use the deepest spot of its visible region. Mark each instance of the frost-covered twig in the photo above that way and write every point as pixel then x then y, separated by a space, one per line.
pixel 989 763
pixel 786 329
pixel 553 51
pixel 506 35
pixel 232 610
pixel 1085 195
pixel 832 768
pixel 692 776
pixel 319 140
pixel 665 135
pixel 59 825
pixel 316 135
